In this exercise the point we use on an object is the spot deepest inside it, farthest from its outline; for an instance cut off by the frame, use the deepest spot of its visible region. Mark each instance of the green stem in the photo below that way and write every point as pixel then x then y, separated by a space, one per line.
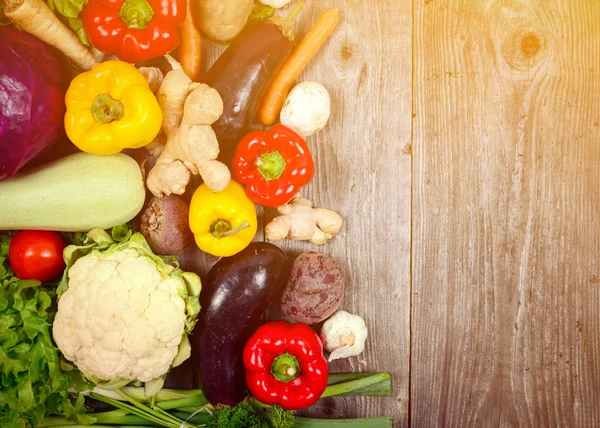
pixel 286 23
pixel 271 165
pixel 147 413
pixel 136 14
pixel 106 109
pixel 285 368
pixel 222 228
pixel 353 385
pixel 179 403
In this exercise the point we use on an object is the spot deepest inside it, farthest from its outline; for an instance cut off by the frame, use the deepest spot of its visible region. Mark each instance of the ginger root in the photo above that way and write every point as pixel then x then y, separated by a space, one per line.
pixel 299 221
pixel 192 147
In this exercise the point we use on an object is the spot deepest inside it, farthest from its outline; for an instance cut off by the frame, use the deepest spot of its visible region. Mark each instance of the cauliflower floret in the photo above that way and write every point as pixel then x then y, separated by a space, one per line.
pixel 120 317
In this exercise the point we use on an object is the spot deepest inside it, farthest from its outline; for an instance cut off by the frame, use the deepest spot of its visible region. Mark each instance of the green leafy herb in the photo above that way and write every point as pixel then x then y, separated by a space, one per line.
pixel 32 383
pixel 281 418
pixel 242 415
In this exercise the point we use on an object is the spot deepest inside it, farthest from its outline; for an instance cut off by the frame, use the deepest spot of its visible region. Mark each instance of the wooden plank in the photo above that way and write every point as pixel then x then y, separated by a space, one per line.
pixel 506 230
pixel 363 172
pixel 363 168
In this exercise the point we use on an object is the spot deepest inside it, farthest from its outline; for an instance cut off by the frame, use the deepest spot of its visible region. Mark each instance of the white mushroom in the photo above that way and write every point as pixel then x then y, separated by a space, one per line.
pixel 306 109
pixel 344 335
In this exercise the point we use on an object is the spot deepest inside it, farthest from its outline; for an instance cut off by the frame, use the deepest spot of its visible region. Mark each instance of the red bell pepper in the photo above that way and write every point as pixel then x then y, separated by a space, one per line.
pixel 285 365
pixel 134 30
pixel 273 166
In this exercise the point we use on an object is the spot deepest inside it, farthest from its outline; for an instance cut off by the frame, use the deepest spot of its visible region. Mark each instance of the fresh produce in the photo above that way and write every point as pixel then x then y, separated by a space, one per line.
pixel 273 166
pixel 123 313
pixel 285 365
pixel 306 109
pixel 73 194
pixel 134 30
pixel 259 13
pixel 110 108
pixel 37 254
pixel 299 221
pixel 190 47
pixel 164 223
pixel 283 81
pixel 153 76
pixel 243 415
pixel 242 73
pixel 134 408
pixel 276 4
pixel 31 90
pixel 236 293
pixel 314 290
pixel 222 20
pixel 36 18
pixel 192 147
pixel 32 382
pixel 344 335
pixel 223 223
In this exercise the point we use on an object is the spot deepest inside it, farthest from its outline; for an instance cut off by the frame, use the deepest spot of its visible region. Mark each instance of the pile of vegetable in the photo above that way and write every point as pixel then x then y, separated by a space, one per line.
pixel 94 306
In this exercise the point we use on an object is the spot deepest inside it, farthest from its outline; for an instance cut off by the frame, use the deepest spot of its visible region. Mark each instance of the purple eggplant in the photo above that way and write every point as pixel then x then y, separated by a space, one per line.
pixel 234 297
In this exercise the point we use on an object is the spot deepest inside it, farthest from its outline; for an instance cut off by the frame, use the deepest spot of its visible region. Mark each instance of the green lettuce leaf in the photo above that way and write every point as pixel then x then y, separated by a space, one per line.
pixel 32 383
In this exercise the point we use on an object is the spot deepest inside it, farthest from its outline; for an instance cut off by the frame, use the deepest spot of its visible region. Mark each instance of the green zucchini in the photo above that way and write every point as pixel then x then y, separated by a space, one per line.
pixel 73 194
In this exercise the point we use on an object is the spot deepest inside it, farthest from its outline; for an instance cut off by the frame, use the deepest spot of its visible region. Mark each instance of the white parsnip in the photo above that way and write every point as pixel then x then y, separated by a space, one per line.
pixel 36 18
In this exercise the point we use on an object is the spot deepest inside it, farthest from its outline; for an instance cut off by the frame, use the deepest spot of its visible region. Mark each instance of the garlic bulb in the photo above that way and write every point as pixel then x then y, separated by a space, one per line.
pixel 344 335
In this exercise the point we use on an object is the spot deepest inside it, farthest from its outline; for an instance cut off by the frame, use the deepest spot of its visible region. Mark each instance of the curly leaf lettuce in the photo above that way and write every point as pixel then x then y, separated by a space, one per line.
pixel 32 384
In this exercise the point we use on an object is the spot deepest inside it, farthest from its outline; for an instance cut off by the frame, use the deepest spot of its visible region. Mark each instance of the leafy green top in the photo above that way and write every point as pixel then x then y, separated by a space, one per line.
pixel 32 384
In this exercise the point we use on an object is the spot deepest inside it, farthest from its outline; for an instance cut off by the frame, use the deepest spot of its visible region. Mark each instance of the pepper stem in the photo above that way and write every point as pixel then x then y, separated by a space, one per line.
pixel 105 109
pixel 286 23
pixel 271 165
pixel 136 13
pixel 285 368
pixel 222 228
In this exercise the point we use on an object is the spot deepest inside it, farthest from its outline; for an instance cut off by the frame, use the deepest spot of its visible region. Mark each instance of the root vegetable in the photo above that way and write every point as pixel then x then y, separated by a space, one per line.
pixel 153 76
pixel 36 18
pixel 314 290
pixel 301 222
pixel 165 225
pixel 222 20
pixel 284 79
pixel 192 147
pixel 171 95
pixel 190 46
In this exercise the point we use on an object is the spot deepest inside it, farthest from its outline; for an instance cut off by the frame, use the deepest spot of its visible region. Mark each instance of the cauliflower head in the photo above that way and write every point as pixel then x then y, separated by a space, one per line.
pixel 124 314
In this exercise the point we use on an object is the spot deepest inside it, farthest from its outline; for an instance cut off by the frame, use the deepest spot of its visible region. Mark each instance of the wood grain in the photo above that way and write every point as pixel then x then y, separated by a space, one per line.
pixel 506 214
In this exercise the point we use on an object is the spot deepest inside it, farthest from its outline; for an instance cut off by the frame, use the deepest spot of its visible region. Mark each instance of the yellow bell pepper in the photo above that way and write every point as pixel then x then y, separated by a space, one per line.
pixel 111 108
pixel 223 223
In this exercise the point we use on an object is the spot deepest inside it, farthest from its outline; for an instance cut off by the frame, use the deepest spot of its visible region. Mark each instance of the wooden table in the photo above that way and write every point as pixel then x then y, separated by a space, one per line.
pixel 464 153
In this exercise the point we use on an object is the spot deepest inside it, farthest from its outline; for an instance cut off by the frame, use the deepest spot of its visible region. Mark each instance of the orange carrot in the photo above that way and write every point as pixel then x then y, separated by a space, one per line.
pixel 190 46
pixel 282 83
pixel 36 18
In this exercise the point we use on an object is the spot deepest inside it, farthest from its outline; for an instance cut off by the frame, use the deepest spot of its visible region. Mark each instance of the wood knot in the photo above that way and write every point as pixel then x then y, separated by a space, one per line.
pixel 524 49
pixel 347 55
pixel 530 45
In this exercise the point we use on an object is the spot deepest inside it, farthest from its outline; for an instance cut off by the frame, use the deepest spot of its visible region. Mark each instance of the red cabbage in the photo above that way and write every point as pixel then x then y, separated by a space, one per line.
pixel 32 103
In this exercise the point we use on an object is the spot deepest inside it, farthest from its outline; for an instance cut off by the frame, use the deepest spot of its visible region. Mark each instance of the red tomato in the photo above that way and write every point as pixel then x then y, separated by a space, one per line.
pixel 37 254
